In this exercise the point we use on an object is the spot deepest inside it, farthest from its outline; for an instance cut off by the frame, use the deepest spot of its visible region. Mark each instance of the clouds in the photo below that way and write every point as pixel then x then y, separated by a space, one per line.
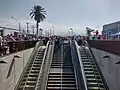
pixel 63 13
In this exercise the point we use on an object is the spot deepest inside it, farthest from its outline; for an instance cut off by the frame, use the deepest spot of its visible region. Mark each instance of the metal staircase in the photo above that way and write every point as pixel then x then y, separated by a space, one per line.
pixel 93 78
pixel 61 75
pixel 29 78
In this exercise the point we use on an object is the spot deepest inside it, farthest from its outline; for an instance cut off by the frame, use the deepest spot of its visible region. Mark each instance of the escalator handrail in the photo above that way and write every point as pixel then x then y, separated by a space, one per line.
pixel 81 65
pixel 100 72
pixel 42 66
pixel 73 64
pixel 34 51
pixel 52 52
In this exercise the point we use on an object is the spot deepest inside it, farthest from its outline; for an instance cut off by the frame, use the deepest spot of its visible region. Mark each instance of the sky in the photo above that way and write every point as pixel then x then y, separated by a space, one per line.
pixel 63 14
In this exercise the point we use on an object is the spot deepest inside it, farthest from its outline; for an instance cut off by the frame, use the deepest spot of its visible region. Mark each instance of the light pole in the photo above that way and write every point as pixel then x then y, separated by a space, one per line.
pixel 41 32
pixel 17 22
pixel 50 32
pixel 32 26
pixel 71 31
pixel 68 33
pixel 53 30
pixel 27 27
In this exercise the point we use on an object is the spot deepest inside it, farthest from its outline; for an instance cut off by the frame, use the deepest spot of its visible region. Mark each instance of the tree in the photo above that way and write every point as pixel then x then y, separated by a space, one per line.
pixel 39 14
pixel 89 30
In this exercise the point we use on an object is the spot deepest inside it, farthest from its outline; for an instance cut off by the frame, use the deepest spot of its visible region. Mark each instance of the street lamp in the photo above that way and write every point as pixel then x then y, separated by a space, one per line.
pixel 53 30
pixel 50 32
pixel 41 32
pixel 17 22
pixel 71 31
pixel 32 26
pixel 27 27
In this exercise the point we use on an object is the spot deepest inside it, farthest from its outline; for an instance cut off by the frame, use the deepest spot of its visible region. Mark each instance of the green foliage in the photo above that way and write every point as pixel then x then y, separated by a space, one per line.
pixel 39 14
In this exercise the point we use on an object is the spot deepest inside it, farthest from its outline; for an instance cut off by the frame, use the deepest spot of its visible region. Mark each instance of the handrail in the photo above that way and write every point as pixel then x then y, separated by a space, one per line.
pixel 42 66
pixel 73 64
pixel 81 65
pixel 101 75
pixel 50 64
pixel 30 58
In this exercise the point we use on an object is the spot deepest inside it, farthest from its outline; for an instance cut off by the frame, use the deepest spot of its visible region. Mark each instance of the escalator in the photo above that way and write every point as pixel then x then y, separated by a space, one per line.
pixel 30 73
pixel 61 74
pixel 61 67
pixel 93 76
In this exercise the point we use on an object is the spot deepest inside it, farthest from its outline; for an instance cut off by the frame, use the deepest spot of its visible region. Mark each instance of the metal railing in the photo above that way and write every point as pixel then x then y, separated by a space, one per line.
pixel 71 44
pixel 81 65
pixel 41 76
pixel 15 46
pixel 30 58
pixel 41 69
pixel 50 62
pixel 101 75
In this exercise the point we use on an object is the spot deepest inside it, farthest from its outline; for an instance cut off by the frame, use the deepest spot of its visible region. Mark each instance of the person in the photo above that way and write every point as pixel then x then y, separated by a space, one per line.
pixel 104 37
pixel 1 39
pixel 12 38
pixel 1 49
pixel 79 40
pixel 94 37
pixel 44 41
pixel 99 37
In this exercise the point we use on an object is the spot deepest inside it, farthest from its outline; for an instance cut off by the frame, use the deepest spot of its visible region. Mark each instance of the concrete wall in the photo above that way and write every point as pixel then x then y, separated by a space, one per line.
pixel 111 46
pixel 9 83
pixel 110 70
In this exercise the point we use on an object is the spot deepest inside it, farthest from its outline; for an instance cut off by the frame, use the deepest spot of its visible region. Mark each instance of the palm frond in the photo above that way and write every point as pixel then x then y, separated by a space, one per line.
pixel 31 13
pixel 41 19
pixel 32 10
pixel 45 13
pixel 42 9
pixel 43 16
pixel 35 7
pixel 38 13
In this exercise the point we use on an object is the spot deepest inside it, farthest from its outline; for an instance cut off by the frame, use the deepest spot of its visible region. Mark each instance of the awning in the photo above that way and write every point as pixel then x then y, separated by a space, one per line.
pixel 116 34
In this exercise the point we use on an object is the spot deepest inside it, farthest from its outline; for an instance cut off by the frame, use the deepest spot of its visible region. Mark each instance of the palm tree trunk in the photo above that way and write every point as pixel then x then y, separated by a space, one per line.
pixel 37 29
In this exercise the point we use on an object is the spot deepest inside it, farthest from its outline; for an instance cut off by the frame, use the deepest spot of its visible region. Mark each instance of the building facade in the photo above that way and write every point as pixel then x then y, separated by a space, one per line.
pixel 111 28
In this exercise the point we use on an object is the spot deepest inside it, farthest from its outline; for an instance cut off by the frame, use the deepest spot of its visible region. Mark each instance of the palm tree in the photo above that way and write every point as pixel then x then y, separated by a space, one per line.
pixel 39 14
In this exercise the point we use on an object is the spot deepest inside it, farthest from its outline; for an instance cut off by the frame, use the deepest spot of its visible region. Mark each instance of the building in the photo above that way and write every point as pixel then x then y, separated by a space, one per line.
pixel 111 28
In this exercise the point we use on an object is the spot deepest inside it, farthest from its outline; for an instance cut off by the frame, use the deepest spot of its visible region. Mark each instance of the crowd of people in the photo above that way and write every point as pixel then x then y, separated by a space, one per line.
pixel 4 40
pixel 4 47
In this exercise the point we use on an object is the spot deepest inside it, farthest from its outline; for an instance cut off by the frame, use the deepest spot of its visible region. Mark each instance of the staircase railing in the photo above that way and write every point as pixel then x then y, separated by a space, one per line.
pixel 30 58
pixel 81 66
pixel 93 57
